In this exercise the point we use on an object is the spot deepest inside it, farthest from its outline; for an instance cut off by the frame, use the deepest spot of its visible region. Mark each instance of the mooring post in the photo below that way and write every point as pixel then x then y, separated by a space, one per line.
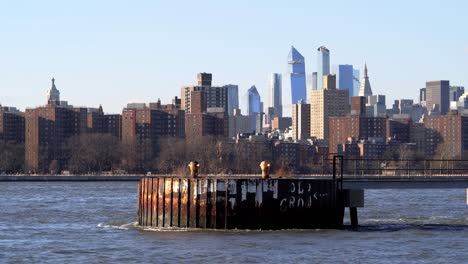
pixel 354 217
pixel 265 167
pixel 194 167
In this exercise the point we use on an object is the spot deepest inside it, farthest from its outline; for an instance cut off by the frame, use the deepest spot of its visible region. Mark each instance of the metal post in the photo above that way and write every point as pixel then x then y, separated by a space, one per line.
pixel 355 168
pixel 334 167
pixel 354 216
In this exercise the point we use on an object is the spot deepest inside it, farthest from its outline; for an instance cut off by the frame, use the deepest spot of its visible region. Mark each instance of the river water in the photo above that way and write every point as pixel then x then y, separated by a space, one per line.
pixel 94 222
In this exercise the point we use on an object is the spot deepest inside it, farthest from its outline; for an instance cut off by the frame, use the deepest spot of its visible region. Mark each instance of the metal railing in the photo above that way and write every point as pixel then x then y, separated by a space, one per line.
pixel 382 167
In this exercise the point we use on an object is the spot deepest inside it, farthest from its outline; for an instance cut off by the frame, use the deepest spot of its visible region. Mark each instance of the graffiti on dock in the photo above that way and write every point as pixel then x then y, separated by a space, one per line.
pixel 301 196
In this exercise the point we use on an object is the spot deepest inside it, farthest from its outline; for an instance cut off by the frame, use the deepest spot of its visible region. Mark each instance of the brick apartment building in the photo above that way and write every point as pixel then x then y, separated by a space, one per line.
pixel 357 127
pixel 11 125
pixel 203 121
pixel 98 122
pixel 446 136
pixel 46 130
pixel 143 125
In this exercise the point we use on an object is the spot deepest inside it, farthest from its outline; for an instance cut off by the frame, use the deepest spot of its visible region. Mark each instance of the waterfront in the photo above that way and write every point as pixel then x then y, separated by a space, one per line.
pixel 95 222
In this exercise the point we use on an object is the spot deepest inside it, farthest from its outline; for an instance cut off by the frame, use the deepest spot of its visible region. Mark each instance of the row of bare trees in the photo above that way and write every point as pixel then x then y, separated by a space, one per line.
pixel 11 157
pixel 90 153
pixel 97 153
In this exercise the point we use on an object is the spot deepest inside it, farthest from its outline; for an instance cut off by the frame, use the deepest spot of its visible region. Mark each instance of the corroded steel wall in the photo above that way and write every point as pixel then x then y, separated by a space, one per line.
pixel 243 203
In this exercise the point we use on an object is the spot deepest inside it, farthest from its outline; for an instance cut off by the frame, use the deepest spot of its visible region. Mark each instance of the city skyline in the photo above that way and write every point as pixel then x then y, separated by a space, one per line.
pixel 117 48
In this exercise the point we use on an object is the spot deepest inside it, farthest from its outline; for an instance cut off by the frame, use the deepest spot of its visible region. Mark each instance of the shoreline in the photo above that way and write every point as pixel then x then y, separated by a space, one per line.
pixel 71 178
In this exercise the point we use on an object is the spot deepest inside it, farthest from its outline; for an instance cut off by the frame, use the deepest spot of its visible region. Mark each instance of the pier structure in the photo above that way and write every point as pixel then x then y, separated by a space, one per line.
pixel 246 202
pixel 240 202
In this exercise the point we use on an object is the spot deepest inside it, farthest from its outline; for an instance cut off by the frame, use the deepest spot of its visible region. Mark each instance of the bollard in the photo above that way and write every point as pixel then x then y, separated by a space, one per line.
pixel 265 167
pixel 194 166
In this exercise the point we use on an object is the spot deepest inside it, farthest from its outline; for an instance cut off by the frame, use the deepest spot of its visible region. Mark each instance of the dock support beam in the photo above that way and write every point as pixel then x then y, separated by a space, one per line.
pixel 353 215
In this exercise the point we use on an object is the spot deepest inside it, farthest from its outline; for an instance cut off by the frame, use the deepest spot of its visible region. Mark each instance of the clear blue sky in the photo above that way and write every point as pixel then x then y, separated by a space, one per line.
pixel 114 52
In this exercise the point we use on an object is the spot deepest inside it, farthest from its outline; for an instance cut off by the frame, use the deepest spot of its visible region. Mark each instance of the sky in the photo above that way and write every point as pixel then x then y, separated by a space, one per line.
pixel 116 52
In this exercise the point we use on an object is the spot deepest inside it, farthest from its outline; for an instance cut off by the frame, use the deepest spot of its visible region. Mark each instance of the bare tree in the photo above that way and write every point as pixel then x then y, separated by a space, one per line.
pixel 93 153
pixel 11 157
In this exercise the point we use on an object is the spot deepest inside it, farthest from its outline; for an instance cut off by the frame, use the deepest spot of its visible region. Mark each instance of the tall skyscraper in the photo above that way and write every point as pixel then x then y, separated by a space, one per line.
pixel 254 105
pixel 365 88
pixel 437 96
pixel 276 95
pixel 296 73
pixel 301 121
pixel 323 65
pixel 422 96
pixel 456 92
pixel 344 78
pixel 325 103
pixel 233 98
pixel 356 82
pixel 376 105
pixel 314 81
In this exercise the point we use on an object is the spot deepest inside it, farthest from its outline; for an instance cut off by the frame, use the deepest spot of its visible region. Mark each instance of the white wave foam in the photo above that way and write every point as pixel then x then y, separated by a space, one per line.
pixel 125 226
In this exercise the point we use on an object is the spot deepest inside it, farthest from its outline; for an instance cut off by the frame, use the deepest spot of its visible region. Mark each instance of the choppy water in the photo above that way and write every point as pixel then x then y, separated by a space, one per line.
pixel 68 222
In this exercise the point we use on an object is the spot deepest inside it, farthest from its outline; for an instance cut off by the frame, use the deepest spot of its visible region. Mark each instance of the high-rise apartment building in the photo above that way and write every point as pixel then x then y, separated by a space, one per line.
pixel 143 125
pixel 399 129
pixel 98 122
pixel 358 105
pixel 11 125
pixel 301 121
pixel 281 123
pixel 326 103
pixel 238 123
pixel 323 65
pixel 204 79
pixel 297 78
pixel 48 127
pixel 276 101
pixel 446 137
pixel 438 96
pixel 216 96
pixel 355 126
pixel 203 121
pixel 345 78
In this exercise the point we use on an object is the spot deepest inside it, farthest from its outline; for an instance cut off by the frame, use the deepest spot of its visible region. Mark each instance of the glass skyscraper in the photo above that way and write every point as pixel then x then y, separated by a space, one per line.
pixel 233 98
pixel 254 105
pixel 323 65
pixel 356 81
pixel 296 71
pixel 276 95
pixel 345 78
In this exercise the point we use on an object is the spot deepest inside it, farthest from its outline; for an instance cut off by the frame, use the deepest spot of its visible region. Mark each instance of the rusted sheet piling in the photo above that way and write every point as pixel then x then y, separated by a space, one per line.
pixel 243 203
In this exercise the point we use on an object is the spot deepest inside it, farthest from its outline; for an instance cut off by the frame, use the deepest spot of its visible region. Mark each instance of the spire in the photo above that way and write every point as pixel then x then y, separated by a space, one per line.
pixel 365 88
pixel 53 94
